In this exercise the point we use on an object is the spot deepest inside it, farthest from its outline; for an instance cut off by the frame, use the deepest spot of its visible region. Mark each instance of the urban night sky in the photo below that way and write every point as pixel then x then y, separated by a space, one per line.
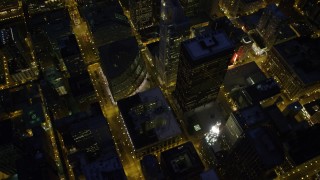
pixel 159 89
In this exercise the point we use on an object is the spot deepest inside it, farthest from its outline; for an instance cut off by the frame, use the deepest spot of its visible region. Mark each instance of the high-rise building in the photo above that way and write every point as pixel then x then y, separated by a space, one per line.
pixel 143 13
pixel 230 7
pixel 9 152
pixel 182 162
pixel 311 9
pixel 238 7
pixel 149 121
pixel 106 21
pixel 271 21
pixel 70 52
pixel 191 8
pixel 89 146
pixel 10 9
pixel 254 156
pixel 202 67
pixel 123 67
pixel 239 122
pixel 303 154
pixel 16 53
pixel 150 167
pixel 174 28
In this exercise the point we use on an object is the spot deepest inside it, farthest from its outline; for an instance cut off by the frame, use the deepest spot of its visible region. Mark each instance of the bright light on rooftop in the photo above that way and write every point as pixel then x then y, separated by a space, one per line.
pixel 212 136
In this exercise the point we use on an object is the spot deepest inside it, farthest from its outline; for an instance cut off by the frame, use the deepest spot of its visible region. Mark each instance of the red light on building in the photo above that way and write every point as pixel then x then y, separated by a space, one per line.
pixel 234 58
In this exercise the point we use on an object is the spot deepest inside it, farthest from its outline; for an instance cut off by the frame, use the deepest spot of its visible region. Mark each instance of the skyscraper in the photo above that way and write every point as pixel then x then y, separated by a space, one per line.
pixel 254 156
pixel 123 67
pixel 202 67
pixel 230 7
pixel 143 13
pixel 174 28
pixel 270 23
pixel 191 8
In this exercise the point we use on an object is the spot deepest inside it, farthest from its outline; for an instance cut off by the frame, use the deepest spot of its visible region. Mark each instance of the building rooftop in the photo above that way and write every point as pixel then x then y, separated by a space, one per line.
pixel 250 116
pixel 304 145
pixel 243 76
pixel 280 122
pixel 6 132
pixel 148 118
pixel 262 90
pixel 19 97
pixel 118 56
pixel 172 13
pixel 56 23
pixel 33 115
pixel 86 132
pixel 251 21
pixel 7 5
pixel 181 162
pixel 81 85
pixel 154 48
pixel 224 24
pixel 210 174
pixel 208 47
pixel 313 107
pixel 302 57
pixel 107 22
pixel 108 166
pixel 150 167
pixel 266 146
pixel 68 46
pixel 275 11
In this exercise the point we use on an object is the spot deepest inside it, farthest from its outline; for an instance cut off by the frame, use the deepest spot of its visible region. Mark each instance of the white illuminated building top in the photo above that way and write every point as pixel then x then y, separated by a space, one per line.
pixel 212 136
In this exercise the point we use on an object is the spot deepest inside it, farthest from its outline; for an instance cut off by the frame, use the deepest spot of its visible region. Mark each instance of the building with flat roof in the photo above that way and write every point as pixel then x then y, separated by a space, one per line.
pixel 295 66
pixel 313 110
pixel 240 7
pixel 243 76
pixel 210 174
pixel 86 132
pixel 108 166
pixel 151 168
pixel 55 23
pixel 122 64
pixel 144 13
pixel 9 151
pixel 271 21
pixel 203 64
pixel 251 6
pixel 107 22
pixel 256 22
pixel 82 88
pixel 16 53
pixel 149 121
pixel 70 52
pixel 10 10
pixel 259 93
pixel 254 156
pixel 241 120
pixel 191 8
pixel 181 162
pixel 89 145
